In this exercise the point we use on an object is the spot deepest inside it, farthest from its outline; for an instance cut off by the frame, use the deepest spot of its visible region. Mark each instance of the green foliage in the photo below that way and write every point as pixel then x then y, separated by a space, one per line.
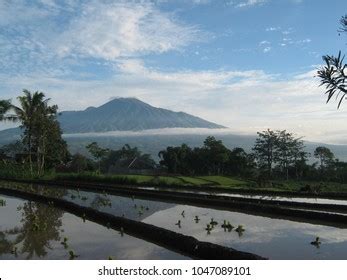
pixel 212 158
pixel 5 106
pixel 97 152
pixel 264 149
pixel 333 74
pixel 41 130
pixel 14 170
pixel 79 163
pixel 280 150
pixel 126 158
pixel 325 157
pixel 12 149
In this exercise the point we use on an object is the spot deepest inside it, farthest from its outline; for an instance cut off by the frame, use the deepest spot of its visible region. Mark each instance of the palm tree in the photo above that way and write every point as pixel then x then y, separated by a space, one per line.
pixel 41 129
pixel 31 113
pixel 26 114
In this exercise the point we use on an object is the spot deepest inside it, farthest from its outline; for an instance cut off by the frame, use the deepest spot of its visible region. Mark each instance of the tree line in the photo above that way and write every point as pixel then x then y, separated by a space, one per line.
pixel 276 154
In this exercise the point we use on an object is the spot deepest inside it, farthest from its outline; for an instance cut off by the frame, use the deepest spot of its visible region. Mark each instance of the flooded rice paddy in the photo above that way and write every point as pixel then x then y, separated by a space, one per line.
pixel 30 230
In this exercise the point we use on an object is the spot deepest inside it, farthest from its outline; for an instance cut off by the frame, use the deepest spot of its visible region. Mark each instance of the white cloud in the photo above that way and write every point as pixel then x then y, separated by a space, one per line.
pixel 250 3
pixel 110 31
pixel 267 49
pixel 272 28
pixel 264 43
pixel 203 2
pixel 57 35
pixel 304 41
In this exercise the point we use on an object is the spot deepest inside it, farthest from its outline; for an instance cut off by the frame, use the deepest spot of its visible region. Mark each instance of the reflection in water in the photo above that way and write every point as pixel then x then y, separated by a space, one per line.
pixel 39 226
pixel 272 238
pixel 30 230
pixel 268 237
pixel 5 245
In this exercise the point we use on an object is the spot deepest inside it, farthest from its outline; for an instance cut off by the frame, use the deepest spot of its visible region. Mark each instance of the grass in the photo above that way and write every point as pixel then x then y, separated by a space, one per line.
pixel 149 180
pixel 90 177
pixel 168 180
pixel 194 180
pixel 215 181
pixel 139 178
pixel 224 181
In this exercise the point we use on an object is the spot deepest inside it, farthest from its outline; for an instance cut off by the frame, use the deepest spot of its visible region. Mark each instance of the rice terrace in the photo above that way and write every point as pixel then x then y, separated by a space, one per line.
pixel 257 170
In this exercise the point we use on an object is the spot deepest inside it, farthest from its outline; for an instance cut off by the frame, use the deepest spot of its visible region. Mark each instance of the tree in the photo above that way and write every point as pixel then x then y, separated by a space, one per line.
pixel 56 148
pixel 289 151
pixel 216 154
pixel 48 144
pixel 28 113
pixel 5 106
pixel 79 163
pixel 325 156
pixel 334 74
pixel 299 157
pixel 264 149
pixel 239 163
pixel 281 150
pixel 127 157
pixel 13 148
pixel 41 130
pixel 169 159
pixel 97 152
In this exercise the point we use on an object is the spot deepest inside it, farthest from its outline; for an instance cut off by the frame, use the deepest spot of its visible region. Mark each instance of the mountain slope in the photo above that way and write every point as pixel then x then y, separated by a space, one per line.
pixel 128 114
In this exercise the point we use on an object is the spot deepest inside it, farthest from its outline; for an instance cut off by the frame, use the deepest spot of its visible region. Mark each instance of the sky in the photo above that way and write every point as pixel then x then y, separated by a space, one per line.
pixel 245 64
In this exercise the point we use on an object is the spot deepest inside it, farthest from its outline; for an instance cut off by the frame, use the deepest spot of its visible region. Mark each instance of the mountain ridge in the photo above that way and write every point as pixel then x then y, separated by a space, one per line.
pixel 128 114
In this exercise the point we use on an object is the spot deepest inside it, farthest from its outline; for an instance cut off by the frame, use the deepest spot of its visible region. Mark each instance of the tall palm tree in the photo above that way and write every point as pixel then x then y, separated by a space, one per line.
pixel 41 130
pixel 30 110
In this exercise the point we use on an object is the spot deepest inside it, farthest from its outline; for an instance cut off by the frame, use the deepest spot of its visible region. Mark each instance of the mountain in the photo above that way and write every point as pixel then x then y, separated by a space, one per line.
pixel 128 114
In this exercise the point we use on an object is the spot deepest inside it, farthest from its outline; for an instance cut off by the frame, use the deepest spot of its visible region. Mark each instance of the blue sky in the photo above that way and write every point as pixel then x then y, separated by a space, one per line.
pixel 246 64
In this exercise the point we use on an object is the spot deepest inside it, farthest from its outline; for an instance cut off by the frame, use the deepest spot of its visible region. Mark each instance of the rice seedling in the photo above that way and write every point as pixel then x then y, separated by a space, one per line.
pixel 178 223
pixel 64 243
pixel 208 228
pixel 213 223
pixel 84 217
pixel 316 242
pixel 72 255
pixel 2 202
